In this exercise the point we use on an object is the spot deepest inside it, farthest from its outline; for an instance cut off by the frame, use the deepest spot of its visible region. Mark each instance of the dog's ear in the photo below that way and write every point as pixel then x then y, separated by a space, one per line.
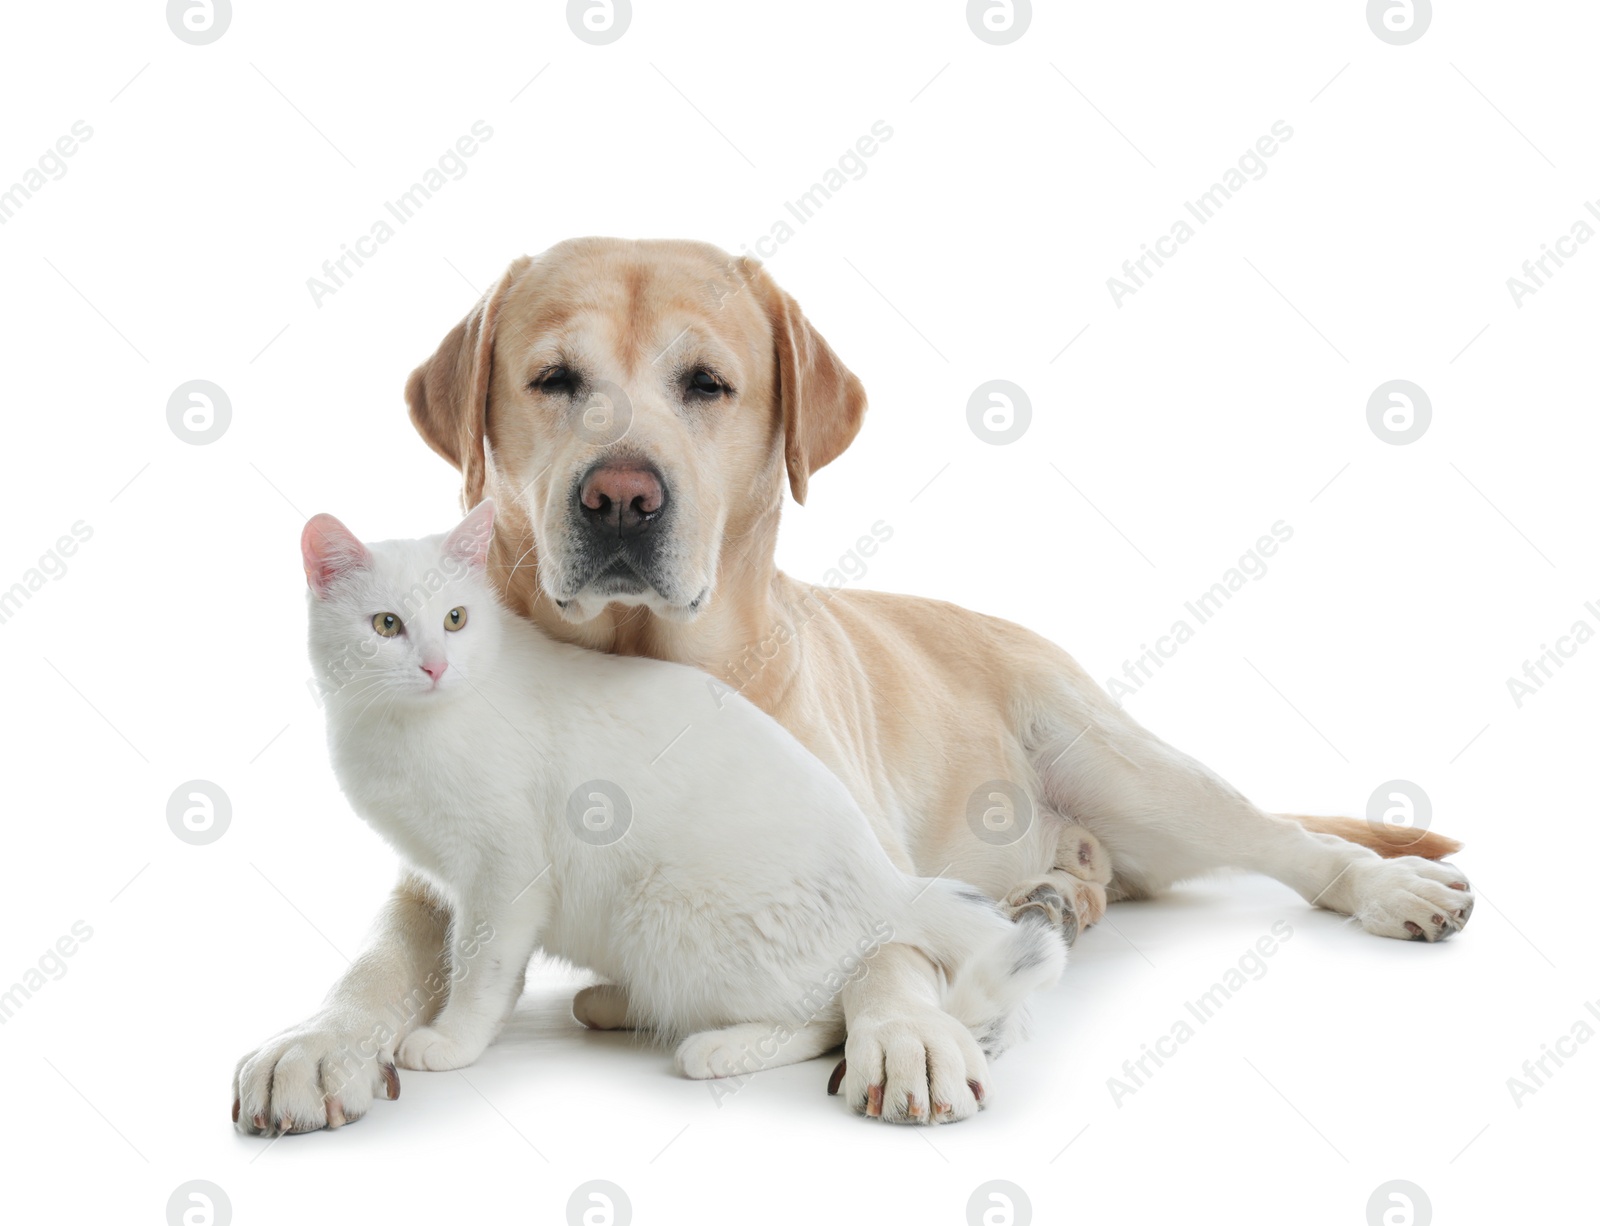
pixel 449 393
pixel 821 401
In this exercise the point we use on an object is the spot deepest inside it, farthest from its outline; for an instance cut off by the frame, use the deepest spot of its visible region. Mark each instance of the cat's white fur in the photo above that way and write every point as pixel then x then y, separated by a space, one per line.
pixel 631 816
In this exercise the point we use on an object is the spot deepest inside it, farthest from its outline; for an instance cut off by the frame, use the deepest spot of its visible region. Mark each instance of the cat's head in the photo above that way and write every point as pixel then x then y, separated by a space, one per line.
pixel 400 621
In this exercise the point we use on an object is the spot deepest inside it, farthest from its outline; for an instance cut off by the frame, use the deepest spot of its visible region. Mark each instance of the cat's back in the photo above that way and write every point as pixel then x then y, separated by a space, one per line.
pixel 677 731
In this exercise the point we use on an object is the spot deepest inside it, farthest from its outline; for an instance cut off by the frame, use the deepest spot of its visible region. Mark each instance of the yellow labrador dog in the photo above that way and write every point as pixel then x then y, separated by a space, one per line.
pixel 636 409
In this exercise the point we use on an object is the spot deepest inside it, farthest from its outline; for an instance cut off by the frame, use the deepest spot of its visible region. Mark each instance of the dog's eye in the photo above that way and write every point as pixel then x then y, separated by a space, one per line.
pixel 706 383
pixel 553 379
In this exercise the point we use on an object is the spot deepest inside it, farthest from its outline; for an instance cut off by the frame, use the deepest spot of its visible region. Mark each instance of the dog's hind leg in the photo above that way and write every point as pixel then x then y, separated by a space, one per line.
pixel 1164 817
pixel 1072 896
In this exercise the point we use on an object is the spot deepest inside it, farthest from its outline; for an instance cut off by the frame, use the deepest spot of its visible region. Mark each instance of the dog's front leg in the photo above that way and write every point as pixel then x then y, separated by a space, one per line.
pixel 492 937
pixel 325 1071
pixel 907 1061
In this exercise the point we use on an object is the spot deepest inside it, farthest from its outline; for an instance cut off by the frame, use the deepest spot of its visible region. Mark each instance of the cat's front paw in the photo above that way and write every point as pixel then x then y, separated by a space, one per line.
pixel 433 1049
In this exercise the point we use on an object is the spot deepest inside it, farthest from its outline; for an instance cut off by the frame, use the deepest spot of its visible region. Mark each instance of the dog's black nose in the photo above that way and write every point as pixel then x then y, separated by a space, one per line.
pixel 622 500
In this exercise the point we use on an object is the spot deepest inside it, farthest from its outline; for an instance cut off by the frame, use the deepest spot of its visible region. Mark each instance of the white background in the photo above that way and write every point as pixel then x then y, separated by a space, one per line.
pixel 1227 394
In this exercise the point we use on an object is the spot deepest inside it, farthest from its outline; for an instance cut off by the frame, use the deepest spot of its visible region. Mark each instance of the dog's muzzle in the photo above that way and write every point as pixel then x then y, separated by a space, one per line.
pixel 619 517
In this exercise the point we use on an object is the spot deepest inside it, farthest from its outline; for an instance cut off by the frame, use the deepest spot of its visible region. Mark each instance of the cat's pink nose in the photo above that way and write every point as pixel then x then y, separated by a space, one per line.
pixel 434 669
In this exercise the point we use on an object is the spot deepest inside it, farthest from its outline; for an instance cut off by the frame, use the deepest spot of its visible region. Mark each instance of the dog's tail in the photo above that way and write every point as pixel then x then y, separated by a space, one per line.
pixel 989 964
pixel 1387 841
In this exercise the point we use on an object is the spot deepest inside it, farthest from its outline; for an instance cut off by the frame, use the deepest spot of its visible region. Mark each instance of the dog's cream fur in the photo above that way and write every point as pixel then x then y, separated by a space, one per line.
pixel 913 703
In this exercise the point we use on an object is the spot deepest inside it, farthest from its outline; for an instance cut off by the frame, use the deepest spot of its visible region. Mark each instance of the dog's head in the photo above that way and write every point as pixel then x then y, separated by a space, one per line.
pixel 638 403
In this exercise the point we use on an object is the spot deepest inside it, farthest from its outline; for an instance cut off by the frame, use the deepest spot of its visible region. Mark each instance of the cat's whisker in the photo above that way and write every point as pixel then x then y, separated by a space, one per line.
pixel 369 684
pixel 369 693
pixel 385 692
pixel 380 687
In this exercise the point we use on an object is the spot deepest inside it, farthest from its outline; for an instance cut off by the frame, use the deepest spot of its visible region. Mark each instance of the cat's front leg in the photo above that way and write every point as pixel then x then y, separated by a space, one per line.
pixel 491 942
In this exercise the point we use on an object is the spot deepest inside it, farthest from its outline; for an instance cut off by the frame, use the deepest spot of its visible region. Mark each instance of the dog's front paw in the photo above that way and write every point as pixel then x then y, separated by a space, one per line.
pixel 1412 899
pixel 320 1074
pixel 921 1068
pixel 436 1050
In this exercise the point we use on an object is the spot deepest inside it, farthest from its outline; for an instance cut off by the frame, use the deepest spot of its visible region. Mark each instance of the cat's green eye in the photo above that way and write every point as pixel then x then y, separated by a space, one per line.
pixel 387 624
pixel 455 619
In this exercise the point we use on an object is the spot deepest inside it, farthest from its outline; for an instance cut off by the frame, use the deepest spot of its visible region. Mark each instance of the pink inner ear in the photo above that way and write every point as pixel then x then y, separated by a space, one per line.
pixel 470 539
pixel 329 550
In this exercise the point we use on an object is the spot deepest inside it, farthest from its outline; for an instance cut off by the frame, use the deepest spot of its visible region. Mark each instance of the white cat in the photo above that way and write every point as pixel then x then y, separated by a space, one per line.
pixel 629 815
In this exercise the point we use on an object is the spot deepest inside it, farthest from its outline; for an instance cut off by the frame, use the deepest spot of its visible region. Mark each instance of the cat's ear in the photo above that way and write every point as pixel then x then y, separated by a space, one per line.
pixel 469 541
pixel 329 550
pixel 448 395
